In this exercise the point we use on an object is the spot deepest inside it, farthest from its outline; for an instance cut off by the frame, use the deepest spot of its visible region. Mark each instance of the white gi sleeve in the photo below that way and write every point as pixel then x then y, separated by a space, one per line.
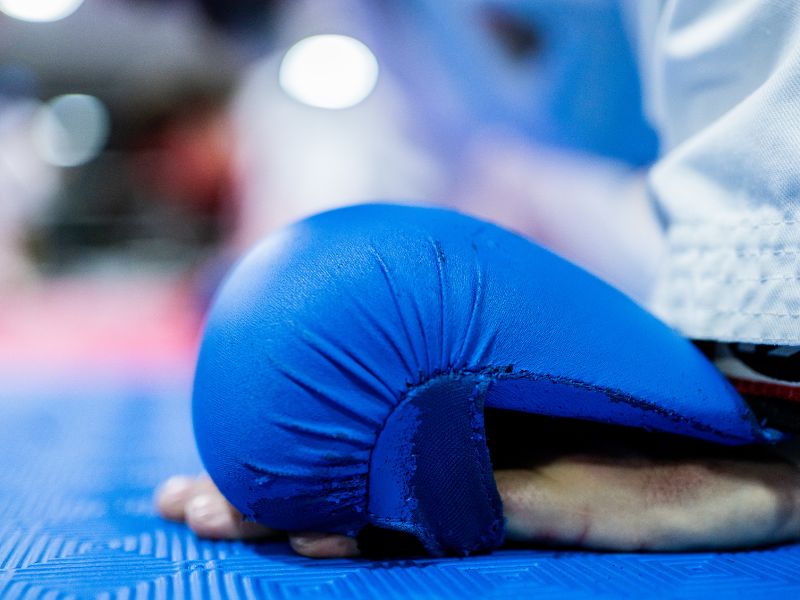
pixel 722 86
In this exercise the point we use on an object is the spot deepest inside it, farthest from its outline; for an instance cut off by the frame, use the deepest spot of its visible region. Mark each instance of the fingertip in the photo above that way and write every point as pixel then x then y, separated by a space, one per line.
pixel 323 545
pixel 171 497
pixel 210 516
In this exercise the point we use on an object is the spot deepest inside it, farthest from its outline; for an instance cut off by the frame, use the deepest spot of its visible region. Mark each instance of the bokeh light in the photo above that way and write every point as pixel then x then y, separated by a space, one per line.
pixel 329 71
pixel 71 130
pixel 39 10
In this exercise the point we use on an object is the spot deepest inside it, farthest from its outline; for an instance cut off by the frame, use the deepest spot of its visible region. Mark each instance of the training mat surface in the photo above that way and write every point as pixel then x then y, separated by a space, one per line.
pixel 77 470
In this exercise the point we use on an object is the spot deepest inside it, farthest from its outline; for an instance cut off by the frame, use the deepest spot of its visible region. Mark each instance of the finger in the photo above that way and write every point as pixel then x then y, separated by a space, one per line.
pixel 172 495
pixel 197 501
pixel 210 515
pixel 323 545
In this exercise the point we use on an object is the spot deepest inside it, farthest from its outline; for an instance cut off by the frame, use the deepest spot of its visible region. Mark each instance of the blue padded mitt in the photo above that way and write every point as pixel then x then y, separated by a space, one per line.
pixel 347 361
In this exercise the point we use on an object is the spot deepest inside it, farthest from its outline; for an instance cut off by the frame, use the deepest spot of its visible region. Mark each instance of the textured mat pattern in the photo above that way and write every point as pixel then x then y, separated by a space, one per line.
pixel 76 521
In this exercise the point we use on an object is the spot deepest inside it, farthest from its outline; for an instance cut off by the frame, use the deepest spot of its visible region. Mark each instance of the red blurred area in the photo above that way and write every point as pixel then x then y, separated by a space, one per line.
pixel 98 329
pixel 185 156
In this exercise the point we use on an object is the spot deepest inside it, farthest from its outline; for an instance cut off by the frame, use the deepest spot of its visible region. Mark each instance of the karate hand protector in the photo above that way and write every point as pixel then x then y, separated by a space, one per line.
pixel 347 360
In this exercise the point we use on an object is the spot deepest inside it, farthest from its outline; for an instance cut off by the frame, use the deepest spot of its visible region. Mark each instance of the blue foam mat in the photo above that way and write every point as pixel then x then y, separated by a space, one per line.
pixel 76 521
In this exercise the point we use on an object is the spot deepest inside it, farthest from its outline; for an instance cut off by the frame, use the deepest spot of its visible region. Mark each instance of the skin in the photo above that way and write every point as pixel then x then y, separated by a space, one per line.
pixel 573 487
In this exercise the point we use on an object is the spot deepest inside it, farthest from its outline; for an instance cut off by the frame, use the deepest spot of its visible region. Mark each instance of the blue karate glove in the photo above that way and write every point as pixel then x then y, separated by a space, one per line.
pixel 347 361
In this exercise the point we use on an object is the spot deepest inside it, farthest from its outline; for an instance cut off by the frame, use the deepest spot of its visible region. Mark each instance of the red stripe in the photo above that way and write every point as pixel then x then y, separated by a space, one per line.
pixel 765 389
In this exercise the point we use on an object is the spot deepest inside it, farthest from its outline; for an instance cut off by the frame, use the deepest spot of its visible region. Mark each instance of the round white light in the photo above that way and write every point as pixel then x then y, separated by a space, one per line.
pixel 39 10
pixel 329 71
pixel 71 130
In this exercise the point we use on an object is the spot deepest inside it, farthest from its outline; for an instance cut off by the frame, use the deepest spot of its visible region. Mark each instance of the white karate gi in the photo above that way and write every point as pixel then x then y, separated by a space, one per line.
pixel 722 86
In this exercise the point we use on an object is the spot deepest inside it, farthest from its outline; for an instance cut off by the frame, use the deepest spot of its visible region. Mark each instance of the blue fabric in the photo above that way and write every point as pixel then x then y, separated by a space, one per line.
pixel 326 328
pixel 579 90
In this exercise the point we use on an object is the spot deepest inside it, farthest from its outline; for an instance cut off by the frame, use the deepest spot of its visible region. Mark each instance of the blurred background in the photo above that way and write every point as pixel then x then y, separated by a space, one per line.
pixel 145 144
